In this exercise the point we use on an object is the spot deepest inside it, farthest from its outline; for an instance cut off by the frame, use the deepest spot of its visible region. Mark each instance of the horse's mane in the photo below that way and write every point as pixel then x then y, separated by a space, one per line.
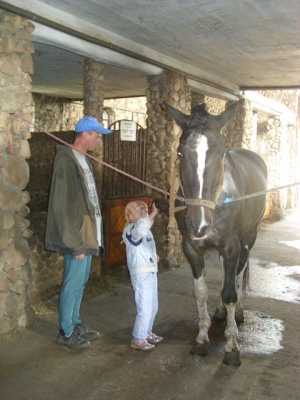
pixel 199 115
pixel 200 109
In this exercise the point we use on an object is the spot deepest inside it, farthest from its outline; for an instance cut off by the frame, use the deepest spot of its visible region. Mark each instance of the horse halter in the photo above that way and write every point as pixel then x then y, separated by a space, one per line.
pixel 200 202
pixel 188 202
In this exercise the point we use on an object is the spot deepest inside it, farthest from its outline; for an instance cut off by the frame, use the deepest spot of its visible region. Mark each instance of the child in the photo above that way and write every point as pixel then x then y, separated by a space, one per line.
pixel 142 265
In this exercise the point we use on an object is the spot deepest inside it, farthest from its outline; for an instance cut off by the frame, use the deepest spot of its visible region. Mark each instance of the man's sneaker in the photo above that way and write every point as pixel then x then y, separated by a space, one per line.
pixel 84 333
pixel 73 341
pixel 141 344
pixel 152 338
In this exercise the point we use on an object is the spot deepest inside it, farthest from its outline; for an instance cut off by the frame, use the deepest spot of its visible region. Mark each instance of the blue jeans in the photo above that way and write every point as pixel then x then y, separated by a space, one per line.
pixel 75 278
pixel 146 302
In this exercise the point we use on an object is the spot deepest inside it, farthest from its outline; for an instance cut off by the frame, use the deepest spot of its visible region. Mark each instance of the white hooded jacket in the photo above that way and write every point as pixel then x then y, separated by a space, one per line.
pixel 140 247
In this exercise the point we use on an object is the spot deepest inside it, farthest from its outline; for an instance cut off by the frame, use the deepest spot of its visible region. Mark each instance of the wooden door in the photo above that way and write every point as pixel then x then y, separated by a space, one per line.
pixel 115 251
pixel 118 190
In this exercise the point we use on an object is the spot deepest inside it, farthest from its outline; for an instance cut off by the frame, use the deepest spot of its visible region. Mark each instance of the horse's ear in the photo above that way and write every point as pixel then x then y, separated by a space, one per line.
pixel 179 117
pixel 226 115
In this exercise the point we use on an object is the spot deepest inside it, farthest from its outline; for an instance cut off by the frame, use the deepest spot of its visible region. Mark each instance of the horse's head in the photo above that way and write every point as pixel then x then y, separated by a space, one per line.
pixel 201 151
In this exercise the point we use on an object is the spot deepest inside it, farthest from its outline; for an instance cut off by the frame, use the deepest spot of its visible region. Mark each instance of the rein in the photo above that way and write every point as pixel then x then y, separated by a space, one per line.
pixel 10 147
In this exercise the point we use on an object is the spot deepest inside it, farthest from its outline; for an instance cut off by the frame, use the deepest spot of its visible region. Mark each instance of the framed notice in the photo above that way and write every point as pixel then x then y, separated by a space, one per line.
pixel 128 130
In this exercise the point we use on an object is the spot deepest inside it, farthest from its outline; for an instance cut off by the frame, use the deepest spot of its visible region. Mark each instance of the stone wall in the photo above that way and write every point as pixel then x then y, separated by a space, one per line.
pixel 290 98
pixel 15 83
pixel 47 268
pixel 277 143
pixel 132 109
pixel 55 114
pixel 40 163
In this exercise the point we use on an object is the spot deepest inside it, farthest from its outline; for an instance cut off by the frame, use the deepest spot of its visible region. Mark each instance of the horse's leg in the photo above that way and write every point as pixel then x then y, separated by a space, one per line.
pixel 196 260
pixel 230 256
pixel 221 313
pixel 247 243
pixel 242 272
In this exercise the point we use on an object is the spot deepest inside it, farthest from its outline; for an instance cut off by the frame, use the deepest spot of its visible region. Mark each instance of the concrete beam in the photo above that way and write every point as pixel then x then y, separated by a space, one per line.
pixel 46 35
pixel 269 106
pixel 212 91
pixel 44 14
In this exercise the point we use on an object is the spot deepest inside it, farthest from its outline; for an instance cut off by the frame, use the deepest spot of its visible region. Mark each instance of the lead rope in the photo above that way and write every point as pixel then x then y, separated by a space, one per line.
pixel 248 196
pixel 96 159
pixel 175 182
pixel 175 176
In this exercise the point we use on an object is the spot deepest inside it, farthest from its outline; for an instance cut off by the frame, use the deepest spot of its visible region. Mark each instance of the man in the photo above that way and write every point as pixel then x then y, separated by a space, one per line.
pixel 74 227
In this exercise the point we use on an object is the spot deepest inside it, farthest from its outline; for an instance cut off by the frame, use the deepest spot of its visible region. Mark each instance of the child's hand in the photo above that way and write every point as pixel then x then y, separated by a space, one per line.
pixel 154 208
pixel 154 211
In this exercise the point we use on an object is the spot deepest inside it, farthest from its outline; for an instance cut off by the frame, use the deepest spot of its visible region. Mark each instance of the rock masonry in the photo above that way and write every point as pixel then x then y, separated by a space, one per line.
pixel 15 83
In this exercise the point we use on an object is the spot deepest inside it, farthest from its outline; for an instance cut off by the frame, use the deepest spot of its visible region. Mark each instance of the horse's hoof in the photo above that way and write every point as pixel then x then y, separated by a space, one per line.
pixel 199 349
pixel 220 315
pixel 232 358
pixel 239 316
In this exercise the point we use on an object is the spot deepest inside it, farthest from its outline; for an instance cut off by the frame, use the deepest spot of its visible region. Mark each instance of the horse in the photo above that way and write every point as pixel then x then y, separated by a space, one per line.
pixel 209 175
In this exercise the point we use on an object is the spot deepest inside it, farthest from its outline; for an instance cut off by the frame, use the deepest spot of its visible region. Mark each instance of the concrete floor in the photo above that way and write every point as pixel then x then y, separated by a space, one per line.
pixel 33 367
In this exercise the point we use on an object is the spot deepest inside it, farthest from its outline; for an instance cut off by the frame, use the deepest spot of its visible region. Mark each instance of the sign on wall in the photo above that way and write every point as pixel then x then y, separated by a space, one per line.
pixel 128 130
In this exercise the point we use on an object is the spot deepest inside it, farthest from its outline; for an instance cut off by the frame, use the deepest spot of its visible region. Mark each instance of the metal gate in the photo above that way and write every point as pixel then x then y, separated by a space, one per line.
pixel 128 156
pixel 118 189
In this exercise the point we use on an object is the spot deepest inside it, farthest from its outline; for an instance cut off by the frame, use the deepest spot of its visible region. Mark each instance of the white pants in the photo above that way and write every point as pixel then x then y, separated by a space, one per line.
pixel 146 302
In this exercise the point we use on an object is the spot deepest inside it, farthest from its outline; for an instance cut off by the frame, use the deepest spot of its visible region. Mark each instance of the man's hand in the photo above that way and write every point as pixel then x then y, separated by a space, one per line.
pixel 79 256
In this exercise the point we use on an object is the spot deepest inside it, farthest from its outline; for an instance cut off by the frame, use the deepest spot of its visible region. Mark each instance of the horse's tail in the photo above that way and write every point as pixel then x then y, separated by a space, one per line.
pixel 246 279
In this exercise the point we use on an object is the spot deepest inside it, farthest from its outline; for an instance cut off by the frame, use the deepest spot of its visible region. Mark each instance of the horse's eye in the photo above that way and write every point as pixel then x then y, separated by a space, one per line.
pixel 180 154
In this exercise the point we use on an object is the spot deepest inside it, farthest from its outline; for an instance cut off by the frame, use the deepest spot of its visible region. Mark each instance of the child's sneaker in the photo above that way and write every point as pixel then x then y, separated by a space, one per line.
pixel 152 338
pixel 141 344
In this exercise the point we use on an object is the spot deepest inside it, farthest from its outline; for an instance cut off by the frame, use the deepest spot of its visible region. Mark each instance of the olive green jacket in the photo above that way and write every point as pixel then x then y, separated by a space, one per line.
pixel 71 224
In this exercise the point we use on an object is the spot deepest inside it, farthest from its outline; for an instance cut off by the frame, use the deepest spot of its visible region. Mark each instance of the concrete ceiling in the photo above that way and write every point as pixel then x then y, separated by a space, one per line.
pixel 223 46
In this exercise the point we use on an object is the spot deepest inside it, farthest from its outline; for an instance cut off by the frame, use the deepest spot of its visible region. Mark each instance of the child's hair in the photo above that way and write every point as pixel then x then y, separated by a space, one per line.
pixel 132 208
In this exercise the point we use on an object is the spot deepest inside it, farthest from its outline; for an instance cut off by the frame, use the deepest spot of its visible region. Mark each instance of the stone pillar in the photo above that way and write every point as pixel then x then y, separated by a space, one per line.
pixel 163 142
pixel 239 130
pixel 278 162
pixel 93 97
pixel 15 272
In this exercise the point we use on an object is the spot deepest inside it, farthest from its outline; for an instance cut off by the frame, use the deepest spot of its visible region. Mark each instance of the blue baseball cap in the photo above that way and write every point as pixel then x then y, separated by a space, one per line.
pixel 87 124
